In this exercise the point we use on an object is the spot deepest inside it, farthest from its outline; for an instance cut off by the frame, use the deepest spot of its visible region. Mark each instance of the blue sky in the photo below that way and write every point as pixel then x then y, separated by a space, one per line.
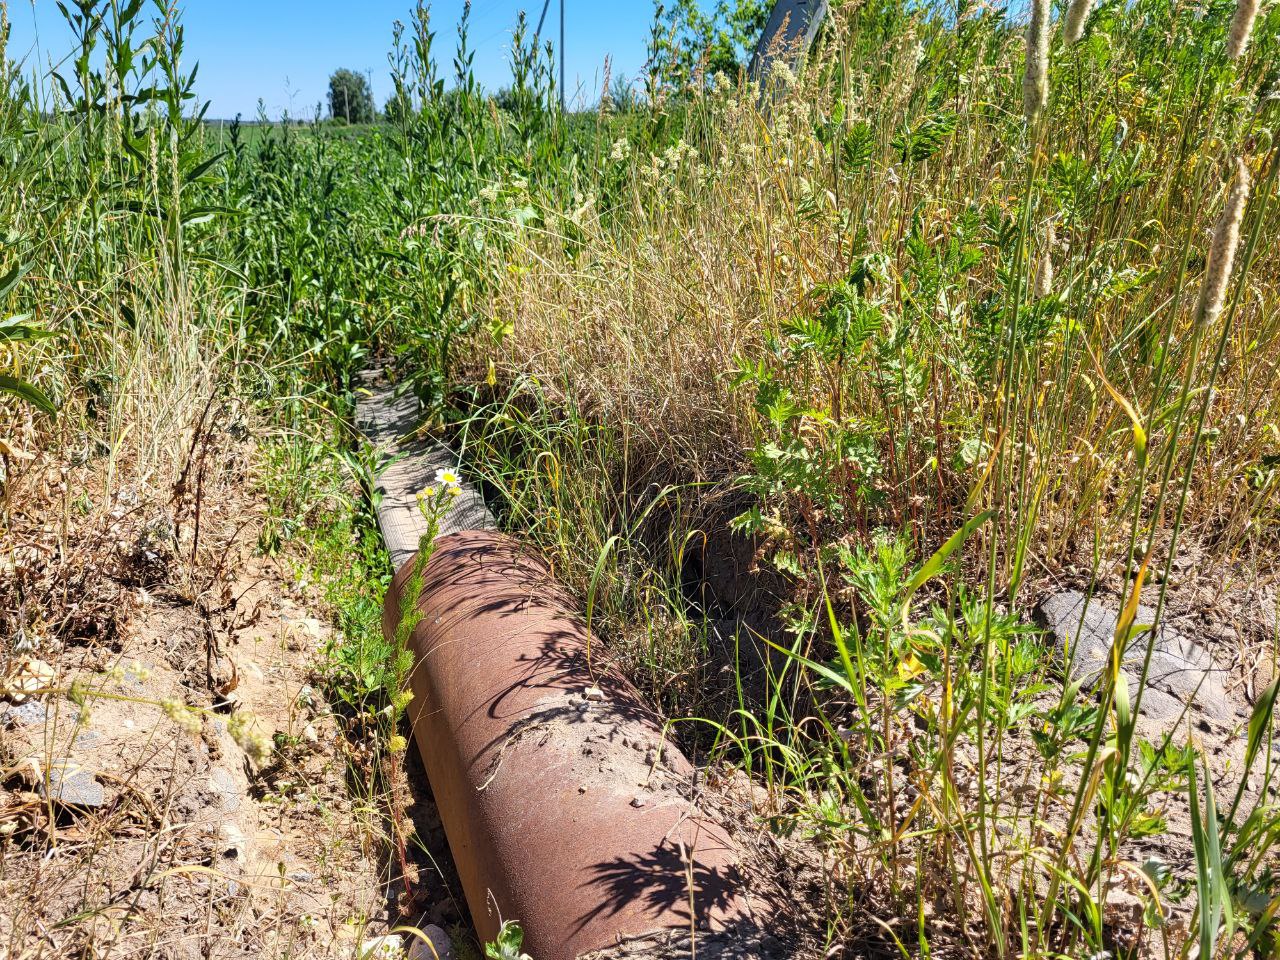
pixel 284 50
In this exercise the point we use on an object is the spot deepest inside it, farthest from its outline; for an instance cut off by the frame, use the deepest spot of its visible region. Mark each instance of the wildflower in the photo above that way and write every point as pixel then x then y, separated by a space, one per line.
pixel 1077 17
pixel 621 150
pixel 397 743
pixel 677 152
pixel 1035 81
pixel 186 718
pixel 1241 28
pixel 402 699
pixel 489 192
pixel 1222 250
pixel 243 728
pixel 782 73
pixel 452 481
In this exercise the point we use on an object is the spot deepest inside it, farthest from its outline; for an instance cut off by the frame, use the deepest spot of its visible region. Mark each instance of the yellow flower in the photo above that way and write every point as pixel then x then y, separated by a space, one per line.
pixel 402 699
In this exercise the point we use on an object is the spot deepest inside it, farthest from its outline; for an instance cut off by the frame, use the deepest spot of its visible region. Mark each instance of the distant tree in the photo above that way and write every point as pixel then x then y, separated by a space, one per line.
pixel 508 99
pixel 397 107
pixel 623 95
pixel 350 98
pixel 692 38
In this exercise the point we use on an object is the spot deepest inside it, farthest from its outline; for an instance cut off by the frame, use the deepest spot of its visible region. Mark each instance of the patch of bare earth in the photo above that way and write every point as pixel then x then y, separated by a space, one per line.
pixel 172 782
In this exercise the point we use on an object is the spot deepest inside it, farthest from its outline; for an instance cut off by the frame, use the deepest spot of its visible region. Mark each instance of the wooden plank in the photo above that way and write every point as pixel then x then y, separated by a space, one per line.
pixel 389 421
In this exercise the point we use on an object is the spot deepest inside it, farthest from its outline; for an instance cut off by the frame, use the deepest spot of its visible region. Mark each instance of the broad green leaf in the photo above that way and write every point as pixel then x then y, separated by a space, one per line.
pixel 10 279
pixel 934 564
pixel 29 393
pixel 15 328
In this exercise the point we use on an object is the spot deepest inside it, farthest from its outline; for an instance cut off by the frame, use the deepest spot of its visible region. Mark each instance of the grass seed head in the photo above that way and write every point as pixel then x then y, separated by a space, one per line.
pixel 1241 28
pixel 1035 81
pixel 1077 17
pixel 1222 251
pixel 1044 270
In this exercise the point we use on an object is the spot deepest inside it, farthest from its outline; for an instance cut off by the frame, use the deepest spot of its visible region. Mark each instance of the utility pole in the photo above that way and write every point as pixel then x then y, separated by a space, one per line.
pixel 538 32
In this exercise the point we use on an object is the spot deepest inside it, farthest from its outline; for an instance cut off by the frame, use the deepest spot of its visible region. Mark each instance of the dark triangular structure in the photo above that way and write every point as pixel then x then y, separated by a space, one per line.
pixel 791 28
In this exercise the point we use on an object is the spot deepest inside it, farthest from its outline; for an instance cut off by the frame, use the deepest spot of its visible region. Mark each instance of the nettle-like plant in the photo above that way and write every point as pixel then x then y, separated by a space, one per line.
pixel 813 451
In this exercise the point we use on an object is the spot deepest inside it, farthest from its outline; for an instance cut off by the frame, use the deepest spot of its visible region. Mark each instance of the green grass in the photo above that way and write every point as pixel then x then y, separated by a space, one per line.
pixel 912 343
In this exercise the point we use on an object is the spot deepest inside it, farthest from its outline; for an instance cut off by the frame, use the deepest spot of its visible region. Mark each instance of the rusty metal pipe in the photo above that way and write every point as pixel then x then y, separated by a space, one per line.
pixel 562 808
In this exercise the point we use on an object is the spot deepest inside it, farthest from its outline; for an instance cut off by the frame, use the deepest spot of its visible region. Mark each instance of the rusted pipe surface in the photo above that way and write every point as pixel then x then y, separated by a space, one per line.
pixel 559 812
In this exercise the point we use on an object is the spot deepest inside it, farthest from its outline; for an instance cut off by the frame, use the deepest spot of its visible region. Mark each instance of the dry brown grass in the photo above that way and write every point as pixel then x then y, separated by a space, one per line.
pixel 633 312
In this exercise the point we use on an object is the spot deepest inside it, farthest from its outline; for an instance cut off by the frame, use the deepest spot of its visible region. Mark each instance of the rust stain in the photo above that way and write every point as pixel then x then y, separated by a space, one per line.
pixel 562 806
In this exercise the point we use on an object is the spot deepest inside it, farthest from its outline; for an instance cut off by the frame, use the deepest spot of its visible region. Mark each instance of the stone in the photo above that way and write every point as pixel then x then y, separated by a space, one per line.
pixel 253 671
pixel 313 630
pixel 30 713
pixel 30 678
pixel 1181 671
pixel 437 946
pixel 232 842
pixel 223 783
pixel 70 785
pixel 87 739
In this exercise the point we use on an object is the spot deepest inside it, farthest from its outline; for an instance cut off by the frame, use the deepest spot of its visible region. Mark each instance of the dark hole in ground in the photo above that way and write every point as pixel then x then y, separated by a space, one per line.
pixel 437 892
pixel 727 594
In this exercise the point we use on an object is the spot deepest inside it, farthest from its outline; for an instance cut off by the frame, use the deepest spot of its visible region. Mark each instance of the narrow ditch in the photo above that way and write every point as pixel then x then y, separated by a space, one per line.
pixel 564 801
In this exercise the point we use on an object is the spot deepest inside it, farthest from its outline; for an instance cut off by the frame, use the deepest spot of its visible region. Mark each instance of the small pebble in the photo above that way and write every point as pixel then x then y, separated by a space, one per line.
pixel 235 845
pixel 440 946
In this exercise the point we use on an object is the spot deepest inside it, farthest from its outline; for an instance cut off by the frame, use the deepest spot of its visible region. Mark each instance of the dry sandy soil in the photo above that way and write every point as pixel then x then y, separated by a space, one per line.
pixel 172 781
